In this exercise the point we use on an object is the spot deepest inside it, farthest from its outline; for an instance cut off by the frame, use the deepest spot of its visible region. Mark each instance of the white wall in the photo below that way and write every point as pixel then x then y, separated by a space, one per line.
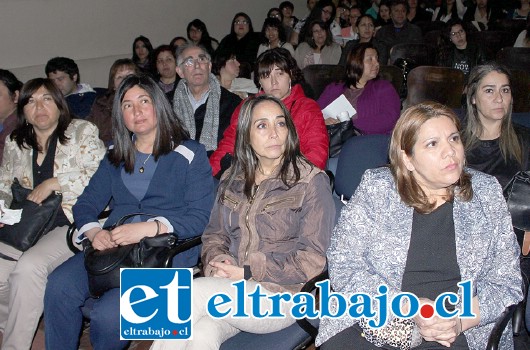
pixel 96 32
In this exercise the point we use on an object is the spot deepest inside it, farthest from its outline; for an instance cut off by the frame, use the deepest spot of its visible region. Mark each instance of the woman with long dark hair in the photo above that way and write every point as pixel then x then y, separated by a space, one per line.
pixel 270 225
pixel 142 56
pixel 48 151
pixel 198 34
pixel 153 168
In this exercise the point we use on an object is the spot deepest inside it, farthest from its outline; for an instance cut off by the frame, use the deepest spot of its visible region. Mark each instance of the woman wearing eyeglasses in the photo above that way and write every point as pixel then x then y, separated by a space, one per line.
pixel 198 34
pixel 460 53
pixel 242 39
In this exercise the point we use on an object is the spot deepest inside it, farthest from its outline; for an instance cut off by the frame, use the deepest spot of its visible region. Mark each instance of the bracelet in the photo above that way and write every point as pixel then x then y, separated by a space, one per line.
pixel 157 227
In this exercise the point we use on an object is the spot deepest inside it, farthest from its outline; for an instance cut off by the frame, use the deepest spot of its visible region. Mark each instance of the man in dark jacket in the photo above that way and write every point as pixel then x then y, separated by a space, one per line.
pixel 200 102
pixel 400 31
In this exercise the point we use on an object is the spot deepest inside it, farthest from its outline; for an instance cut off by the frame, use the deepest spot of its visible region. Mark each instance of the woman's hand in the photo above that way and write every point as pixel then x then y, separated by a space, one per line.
pixel 441 330
pixel 43 191
pixel 101 240
pixel 225 269
pixel 133 233
pixel 330 121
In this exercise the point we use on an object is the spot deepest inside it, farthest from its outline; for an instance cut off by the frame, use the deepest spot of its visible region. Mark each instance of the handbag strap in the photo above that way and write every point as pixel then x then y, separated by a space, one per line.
pixel 128 216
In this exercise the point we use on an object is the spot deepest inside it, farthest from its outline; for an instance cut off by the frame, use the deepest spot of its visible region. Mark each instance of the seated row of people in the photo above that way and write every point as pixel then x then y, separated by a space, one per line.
pixel 140 110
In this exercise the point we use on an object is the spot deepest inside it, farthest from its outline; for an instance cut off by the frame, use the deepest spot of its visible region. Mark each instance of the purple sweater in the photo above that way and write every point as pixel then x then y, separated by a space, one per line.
pixel 378 107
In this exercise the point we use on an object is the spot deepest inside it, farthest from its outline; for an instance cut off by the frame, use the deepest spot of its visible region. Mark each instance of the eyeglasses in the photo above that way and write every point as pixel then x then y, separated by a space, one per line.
pixel 195 30
pixel 190 61
pixel 274 15
pixel 460 32
pixel 240 22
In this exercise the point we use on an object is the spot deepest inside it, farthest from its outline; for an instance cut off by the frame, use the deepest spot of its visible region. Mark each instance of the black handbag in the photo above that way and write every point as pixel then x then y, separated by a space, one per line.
pixel 36 221
pixel 517 194
pixel 103 266
pixel 338 134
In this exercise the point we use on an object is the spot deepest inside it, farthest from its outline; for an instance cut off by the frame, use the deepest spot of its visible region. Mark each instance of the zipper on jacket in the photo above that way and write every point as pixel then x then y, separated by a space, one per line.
pixel 248 224
pixel 267 206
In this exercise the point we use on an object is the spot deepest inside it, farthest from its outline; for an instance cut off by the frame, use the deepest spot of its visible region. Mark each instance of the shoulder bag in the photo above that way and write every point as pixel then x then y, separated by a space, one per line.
pixel 37 219
pixel 103 266
pixel 517 194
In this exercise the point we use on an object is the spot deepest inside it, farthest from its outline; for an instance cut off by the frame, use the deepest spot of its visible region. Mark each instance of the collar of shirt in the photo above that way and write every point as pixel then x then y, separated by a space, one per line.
pixel 196 103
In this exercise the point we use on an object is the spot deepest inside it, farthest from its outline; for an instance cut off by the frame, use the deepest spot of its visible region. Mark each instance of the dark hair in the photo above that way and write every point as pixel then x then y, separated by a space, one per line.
pixel 247 18
pixel 508 141
pixel 164 48
pixel 365 16
pixel 281 58
pixel 245 161
pixel 277 10
pixel 174 40
pixel 309 38
pixel 404 138
pixel 148 46
pixel 169 134
pixel 119 63
pixel 271 22
pixel 63 64
pixel 10 81
pixel 24 135
pixel 394 3
pixel 285 4
pixel 206 40
pixel 316 15
pixel 219 61
pixel 443 10
pixel 355 63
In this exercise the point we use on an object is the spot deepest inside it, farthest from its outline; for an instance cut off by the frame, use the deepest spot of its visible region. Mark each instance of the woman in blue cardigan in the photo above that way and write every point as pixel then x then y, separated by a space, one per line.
pixel 153 168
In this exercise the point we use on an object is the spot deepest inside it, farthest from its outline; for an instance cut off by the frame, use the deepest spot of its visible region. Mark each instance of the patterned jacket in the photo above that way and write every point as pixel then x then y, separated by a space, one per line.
pixel 74 164
pixel 369 247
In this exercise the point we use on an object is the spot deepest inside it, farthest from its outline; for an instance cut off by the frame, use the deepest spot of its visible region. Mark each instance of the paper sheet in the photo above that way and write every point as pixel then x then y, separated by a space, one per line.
pixel 337 108
pixel 9 216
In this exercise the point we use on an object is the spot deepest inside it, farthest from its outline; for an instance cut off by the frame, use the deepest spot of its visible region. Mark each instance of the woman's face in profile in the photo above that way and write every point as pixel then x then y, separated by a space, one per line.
pixel 277 84
pixel 370 65
pixel 268 132
pixel 437 158
pixel 41 111
pixel 138 112
pixel 493 97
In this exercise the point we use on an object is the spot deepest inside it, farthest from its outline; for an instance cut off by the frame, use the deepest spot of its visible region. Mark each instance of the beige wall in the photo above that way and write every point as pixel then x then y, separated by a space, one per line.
pixel 96 32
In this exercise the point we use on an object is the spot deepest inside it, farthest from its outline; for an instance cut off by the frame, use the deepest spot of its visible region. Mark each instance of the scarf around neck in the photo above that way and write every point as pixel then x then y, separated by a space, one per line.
pixel 184 111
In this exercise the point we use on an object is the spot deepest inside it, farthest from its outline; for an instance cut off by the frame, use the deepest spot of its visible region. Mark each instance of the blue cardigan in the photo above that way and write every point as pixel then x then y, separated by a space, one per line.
pixel 181 191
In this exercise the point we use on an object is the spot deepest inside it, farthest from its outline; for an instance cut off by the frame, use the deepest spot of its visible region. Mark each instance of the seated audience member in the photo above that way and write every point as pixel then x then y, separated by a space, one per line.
pixel 375 100
pixel 366 27
pixel 446 224
pixel 143 55
pixel 460 53
pixel 279 76
pixel 400 31
pixel 226 69
pixel 65 75
pixel 494 144
pixel 523 39
pixel 416 13
pixel 289 21
pixel 198 34
pixel 101 112
pixel 242 40
pixel 324 10
pixel 177 41
pixel 9 92
pixel 273 35
pixel 153 166
pixel 482 13
pixel 350 31
pixel 521 12
pixel 289 240
pixel 383 17
pixel 319 48
pixel 166 67
pixel 200 102
pixel 449 9
pixel 48 151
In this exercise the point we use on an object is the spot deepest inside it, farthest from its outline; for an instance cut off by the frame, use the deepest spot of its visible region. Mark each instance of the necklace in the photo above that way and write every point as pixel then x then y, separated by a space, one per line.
pixel 141 170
